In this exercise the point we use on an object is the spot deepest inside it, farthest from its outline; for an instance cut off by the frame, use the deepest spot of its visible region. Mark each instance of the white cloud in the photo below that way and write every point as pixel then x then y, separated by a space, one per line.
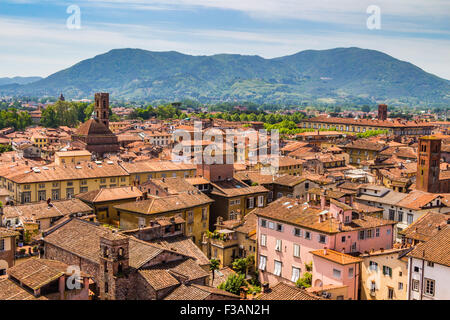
pixel 39 47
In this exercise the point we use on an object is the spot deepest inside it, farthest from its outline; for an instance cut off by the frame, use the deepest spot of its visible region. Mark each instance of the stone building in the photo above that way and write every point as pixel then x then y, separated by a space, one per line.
pixel 122 267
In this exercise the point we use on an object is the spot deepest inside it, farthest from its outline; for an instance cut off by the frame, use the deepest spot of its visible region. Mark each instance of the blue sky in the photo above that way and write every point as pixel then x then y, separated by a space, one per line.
pixel 34 39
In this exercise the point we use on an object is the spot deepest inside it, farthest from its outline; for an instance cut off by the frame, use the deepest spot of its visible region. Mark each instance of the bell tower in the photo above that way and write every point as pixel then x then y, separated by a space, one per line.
pixel 428 164
pixel 114 263
pixel 101 108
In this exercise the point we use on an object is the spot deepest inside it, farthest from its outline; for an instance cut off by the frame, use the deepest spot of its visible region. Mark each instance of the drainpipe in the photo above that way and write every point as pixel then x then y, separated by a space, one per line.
pixel 421 282
pixel 410 278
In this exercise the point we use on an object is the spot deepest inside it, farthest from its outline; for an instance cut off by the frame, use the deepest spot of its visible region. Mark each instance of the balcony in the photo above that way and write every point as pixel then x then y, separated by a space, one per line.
pixel 223 238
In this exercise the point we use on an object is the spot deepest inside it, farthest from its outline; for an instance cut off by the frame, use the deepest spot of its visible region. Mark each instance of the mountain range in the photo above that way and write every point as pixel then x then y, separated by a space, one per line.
pixel 340 75
pixel 18 80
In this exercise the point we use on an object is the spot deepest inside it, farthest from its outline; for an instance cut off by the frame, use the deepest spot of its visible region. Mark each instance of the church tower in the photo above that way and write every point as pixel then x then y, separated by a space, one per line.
pixel 428 164
pixel 101 108
pixel 114 263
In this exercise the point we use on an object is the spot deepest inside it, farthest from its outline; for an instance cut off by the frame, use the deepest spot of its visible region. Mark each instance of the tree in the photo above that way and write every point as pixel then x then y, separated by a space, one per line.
pixel 213 266
pixel 305 281
pixel 241 265
pixel 365 108
pixel 233 283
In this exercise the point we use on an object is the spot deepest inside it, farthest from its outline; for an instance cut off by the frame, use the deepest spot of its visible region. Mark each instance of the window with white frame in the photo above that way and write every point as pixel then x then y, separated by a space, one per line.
pixel 415 285
pixel 278 245
pixel 295 274
pixel 271 225
pixel 429 287
pixel 277 268
pixel 260 201
pixel 296 250
pixel 373 266
pixel 263 240
pixel 262 263
pixel 251 203
pixel 322 238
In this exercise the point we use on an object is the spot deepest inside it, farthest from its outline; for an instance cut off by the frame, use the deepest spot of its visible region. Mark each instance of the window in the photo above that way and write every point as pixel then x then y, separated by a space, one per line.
pixel 361 235
pixel 277 268
pixel 2 244
pixel 70 183
pixel 204 214
pixel 377 232
pixel 336 273
pixel 55 194
pixel 263 240
pixel 350 273
pixel 262 263
pixel 391 214
pixel 430 264
pixel 42 195
pixel 278 245
pixel 279 227
pixel 409 218
pixel 297 232
pixel 141 222
pixel 307 235
pixel 190 217
pixel 260 201
pixel 373 286
pixel 295 274
pixel 83 189
pixel 343 239
pixel 41 185
pixel 429 287
pixel 296 250
pixel 103 180
pixel 322 238
pixel 83 182
pixel 387 271
pixel 373 266
pixel 263 223
pixel 415 285
pixel 271 225
pixel 400 286
pixel 390 293
pixel 69 193
pixel 250 203
pixel 400 216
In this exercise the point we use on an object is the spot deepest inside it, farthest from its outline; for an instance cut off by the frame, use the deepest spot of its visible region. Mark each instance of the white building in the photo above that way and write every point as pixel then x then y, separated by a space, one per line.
pixel 429 268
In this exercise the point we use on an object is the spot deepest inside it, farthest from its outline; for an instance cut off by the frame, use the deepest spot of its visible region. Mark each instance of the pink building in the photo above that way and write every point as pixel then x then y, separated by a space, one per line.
pixel 288 231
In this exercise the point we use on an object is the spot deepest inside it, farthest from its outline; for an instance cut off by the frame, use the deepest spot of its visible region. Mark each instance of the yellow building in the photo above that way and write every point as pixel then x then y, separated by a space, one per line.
pixel 104 200
pixel 39 140
pixel 26 184
pixel 384 275
pixel 233 239
pixel 397 127
pixel 71 157
pixel 193 207
pixel 362 150
pixel 145 170
pixel 286 165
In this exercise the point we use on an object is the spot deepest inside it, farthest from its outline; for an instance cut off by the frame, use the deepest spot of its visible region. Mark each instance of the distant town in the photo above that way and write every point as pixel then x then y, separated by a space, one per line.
pixel 96 206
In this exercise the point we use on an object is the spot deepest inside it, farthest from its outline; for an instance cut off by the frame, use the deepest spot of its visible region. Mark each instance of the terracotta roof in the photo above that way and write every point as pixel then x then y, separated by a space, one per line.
pixel 234 188
pixel 9 290
pixel 155 166
pixel 185 245
pixel 82 238
pixel 74 153
pixel 222 275
pixel 93 127
pixel 110 194
pixel 159 279
pixel 155 205
pixel 41 210
pixel 283 291
pixel 436 249
pixel 84 170
pixel 173 185
pixel 426 226
pixel 289 180
pixel 290 211
pixel 364 144
pixel 6 233
pixel 36 273
pixel 186 269
pixel 254 176
pixel 197 292
pixel 369 122
pixel 335 256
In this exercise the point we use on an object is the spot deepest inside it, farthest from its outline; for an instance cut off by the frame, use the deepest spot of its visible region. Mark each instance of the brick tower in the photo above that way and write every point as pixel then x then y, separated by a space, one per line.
pixel 428 162
pixel 114 263
pixel 382 112
pixel 102 108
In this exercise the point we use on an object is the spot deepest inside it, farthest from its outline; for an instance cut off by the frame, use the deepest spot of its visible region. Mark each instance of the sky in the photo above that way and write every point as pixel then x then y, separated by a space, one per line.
pixel 36 39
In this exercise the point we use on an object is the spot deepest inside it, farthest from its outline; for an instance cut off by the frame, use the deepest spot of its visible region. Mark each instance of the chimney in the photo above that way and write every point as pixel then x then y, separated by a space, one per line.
pixel 265 287
pixel 325 251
